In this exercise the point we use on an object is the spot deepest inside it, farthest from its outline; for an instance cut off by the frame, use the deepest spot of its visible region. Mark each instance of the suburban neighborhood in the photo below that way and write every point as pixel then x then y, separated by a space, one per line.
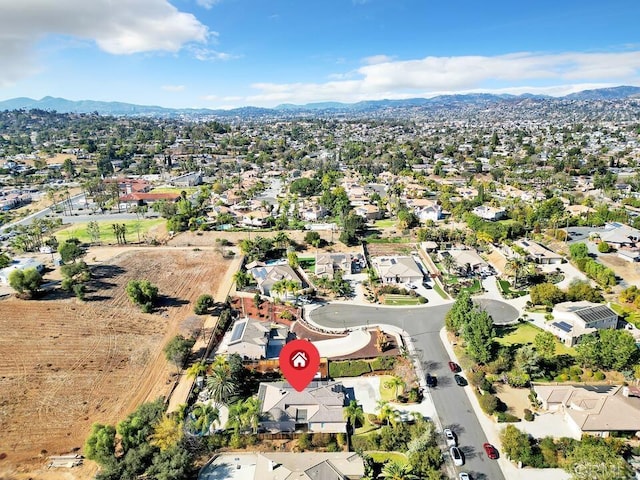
pixel 471 288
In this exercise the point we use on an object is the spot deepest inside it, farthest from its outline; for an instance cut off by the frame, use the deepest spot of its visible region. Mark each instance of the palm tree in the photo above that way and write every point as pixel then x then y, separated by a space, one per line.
pixel 354 414
pixel 241 278
pixel 515 266
pixel 282 240
pixel 220 384
pixel 197 369
pixel 448 262
pixel 244 414
pixel 252 413
pixel 204 415
pixel 387 413
pixel 396 383
pixel 397 471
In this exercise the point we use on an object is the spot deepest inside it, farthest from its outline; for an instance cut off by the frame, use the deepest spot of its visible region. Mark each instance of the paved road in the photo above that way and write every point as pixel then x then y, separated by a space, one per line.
pixel 423 324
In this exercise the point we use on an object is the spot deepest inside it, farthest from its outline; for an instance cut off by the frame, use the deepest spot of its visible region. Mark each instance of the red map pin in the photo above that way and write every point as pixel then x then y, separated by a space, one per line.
pixel 299 362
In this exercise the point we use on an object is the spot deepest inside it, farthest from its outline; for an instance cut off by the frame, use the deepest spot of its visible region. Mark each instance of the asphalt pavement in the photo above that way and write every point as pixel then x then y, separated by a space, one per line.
pixel 423 324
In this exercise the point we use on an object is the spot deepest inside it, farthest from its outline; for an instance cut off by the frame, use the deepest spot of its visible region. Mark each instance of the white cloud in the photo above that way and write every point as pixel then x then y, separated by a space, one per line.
pixel 375 59
pixel 173 88
pixel 116 26
pixel 207 54
pixel 208 4
pixel 385 78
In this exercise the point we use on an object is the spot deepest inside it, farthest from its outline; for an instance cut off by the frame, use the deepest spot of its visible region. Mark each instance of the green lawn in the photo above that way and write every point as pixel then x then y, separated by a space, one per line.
pixel 79 230
pixel 475 287
pixel 367 428
pixel 437 288
pixel 523 334
pixel 394 299
pixel 308 264
pixel 386 394
pixel 506 289
pixel 631 316
pixel 386 223
pixel 383 457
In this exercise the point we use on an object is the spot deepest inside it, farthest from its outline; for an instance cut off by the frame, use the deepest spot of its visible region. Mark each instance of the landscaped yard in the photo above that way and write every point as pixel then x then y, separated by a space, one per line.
pixel 395 299
pixel 134 228
pixel 437 288
pixel 386 223
pixel 631 316
pixel 523 334
pixel 386 394
pixel 506 289
pixel 383 457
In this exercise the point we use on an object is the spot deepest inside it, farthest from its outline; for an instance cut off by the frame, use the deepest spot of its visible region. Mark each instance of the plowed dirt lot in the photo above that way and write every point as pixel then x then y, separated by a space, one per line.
pixel 66 364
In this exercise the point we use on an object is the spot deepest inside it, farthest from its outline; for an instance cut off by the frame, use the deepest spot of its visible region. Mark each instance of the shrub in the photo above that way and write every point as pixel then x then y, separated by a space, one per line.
pixel 604 247
pixel 598 376
pixel 304 442
pixel 503 417
pixel 563 377
pixel 383 363
pixel 333 446
pixel 203 304
pixel 321 439
pixel 353 368
pixel 528 415
pixel 488 403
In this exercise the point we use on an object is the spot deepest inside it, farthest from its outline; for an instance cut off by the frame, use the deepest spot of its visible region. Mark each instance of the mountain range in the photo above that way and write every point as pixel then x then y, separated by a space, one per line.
pixel 62 105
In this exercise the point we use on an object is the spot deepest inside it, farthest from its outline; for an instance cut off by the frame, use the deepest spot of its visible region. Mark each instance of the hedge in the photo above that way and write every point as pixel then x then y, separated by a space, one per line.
pixel 353 368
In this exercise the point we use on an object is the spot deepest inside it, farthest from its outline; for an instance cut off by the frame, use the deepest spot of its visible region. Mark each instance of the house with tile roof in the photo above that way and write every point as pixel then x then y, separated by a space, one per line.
pixel 318 408
pixel 397 269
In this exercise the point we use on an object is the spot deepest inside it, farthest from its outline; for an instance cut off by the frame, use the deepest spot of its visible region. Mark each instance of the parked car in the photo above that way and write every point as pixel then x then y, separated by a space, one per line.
pixel 456 455
pixel 454 367
pixel 464 476
pixel 460 380
pixel 411 286
pixel 491 451
pixel 432 380
pixel 450 437
pixel 426 285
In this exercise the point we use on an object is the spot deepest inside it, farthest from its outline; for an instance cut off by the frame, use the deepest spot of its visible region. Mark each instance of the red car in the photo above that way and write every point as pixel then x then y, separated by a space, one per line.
pixel 492 453
pixel 453 366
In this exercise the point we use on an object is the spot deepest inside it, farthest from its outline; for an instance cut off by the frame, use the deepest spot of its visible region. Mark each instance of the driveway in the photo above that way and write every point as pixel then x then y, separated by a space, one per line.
pixel 423 324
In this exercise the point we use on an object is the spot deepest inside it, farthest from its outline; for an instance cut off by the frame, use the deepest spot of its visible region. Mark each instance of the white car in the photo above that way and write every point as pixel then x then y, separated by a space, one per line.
pixel 450 437
pixel 464 476
pixel 456 456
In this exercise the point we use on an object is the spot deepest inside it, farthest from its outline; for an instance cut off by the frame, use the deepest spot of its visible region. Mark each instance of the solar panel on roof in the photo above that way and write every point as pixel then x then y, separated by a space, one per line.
pixel 564 326
pixel 238 330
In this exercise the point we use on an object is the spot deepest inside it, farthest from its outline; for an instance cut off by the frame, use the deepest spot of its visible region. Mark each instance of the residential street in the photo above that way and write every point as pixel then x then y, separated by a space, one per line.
pixel 451 403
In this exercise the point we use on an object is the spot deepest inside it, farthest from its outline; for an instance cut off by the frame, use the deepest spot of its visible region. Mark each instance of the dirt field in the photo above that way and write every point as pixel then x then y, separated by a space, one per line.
pixel 516 399
pixel 629 271
pixel 381 249
pixel 67 364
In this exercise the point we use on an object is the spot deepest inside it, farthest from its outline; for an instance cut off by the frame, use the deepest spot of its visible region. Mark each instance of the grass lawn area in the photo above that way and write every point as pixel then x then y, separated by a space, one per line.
pixel 631 316
pixel 383 457
pixel 189 190
pixel 386 394
pixel 393 299
pixel 79 230
pixel 506 289
pixel 523 334
pixel 386 223
pixel 308 264
pixel 437 288
pixel 475 287
pixel 367 428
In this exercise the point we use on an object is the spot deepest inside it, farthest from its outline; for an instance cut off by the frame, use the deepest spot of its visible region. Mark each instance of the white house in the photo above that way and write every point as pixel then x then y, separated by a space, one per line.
pixel 490 213
pixel 572 320
pixel 397 269
pixel 539 253
pixel 20 264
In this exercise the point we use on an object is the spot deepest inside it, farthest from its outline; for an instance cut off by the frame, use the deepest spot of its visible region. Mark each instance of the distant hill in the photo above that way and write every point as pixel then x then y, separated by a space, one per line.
pixel 443 101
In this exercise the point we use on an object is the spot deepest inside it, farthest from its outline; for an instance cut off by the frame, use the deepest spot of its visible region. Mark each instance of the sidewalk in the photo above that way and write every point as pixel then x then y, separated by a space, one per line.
pixel 492 431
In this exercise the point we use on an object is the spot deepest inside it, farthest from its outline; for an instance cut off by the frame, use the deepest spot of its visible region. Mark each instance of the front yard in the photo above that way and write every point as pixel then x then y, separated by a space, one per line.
pixel 524 334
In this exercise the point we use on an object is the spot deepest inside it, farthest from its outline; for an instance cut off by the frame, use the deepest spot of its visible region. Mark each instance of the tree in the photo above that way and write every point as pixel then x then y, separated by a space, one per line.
pixel 354 414
pixel 387 413
pixel 578 250
pixel 174 463
pixel 5 260
pixel 546 294
pixel 516 444
pixel 178 350
pixel 26 281
pixel 143 293
pixel 139 425
pixel 93 229
pixel 594 459
pixel 203 304
pixel 604 247
pixel 311 236
pixel 582 290
pixel 167 432
pixel 459 313
pixel 396 383
pixel 70 250
pixel 244 415
pixel 478 335
pixel 242 279
pixel 292 259
pixel 397 471
pixel 448 262
pixel 220 383
pixel 545 344
pixel 198 369
pixel 100 446
pixel 204 416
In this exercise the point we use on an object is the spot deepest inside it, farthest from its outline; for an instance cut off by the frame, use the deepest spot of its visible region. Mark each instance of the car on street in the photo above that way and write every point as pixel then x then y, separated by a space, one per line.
pixel 454 367
pixel 460 380
pixel 450 437
pixel 490 450
pixel 411 286
pixel 456 456
pixel 464 476
pixel 426 285
pixel 432 380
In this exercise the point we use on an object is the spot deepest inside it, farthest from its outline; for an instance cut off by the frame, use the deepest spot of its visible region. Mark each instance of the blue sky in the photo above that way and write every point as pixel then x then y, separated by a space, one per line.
pixel 228 53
